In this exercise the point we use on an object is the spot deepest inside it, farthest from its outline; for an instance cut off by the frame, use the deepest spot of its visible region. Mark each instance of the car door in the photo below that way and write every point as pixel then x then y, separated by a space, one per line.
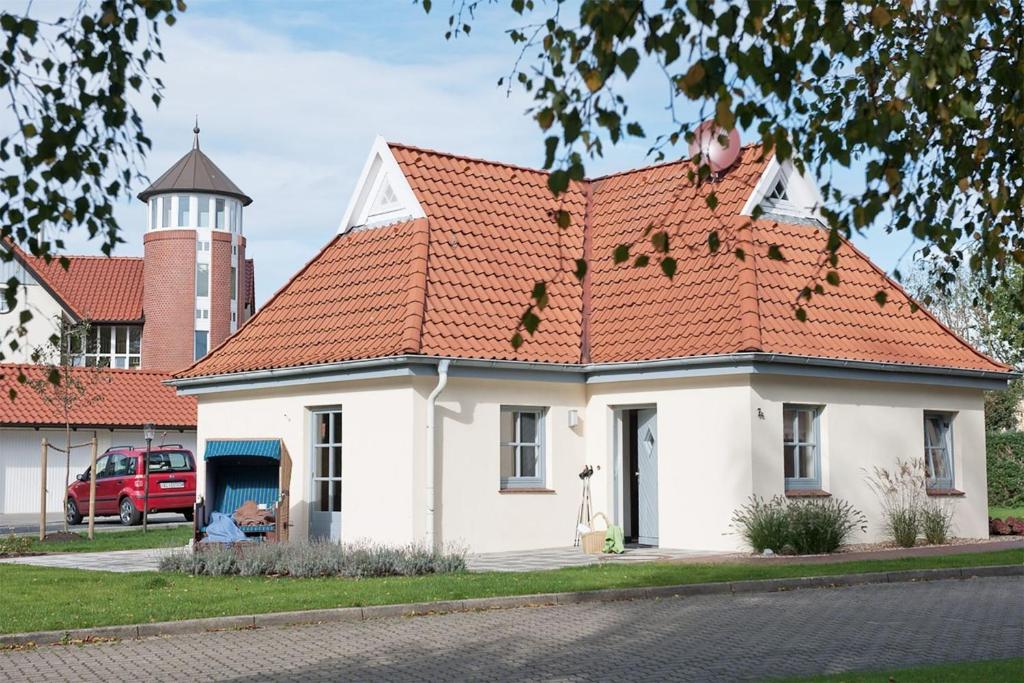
pixel 172 480
pixel 104 488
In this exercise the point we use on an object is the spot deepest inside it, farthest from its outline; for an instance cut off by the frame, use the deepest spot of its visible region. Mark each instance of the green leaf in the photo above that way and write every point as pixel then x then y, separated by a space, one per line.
pixel 530 321
pixel 832 277
pixel 821 65
pixel 517 340
pixel 581 269
pixel 621 254
pixel 659 241
pixel 775 254
pixel 801 314
pixel 628 60
pixel 881 298
pixel 558 182
pixel 641 261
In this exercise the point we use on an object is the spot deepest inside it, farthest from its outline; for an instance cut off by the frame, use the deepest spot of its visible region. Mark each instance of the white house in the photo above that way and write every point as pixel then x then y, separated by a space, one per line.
pixel 386 365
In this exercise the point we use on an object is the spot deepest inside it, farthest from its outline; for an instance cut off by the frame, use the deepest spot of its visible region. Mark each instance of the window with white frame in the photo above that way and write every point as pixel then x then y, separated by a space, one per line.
pixel 801 446
pixel 4 307
pixel 202 342
pixel 202 279
pixel 165 212
pixel 938 449
pixel 327 460
pixel 522 447
pixel 204 211
pixel 107 346
pixel 219 214
pixel 234 283
pixel 183 217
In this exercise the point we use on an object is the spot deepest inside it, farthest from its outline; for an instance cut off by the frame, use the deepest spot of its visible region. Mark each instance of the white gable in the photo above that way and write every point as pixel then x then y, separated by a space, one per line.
pixel 783 191
pixel 382 194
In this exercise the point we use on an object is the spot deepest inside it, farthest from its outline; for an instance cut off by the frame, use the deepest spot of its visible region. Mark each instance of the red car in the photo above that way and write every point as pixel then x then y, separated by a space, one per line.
pixel 120 484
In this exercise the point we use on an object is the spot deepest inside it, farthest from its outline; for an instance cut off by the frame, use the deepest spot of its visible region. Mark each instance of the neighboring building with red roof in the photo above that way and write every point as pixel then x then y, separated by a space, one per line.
pixel 687 395
pixel 149 315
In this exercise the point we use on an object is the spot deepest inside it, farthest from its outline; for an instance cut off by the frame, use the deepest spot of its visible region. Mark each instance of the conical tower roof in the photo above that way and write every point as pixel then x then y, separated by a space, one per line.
pixel 195 172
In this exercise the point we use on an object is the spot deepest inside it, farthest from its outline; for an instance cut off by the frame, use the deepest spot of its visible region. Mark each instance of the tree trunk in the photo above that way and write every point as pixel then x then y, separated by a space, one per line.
pixel 67 471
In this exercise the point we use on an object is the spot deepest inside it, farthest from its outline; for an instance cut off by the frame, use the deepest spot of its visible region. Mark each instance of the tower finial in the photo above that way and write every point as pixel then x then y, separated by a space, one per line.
pixel 195 131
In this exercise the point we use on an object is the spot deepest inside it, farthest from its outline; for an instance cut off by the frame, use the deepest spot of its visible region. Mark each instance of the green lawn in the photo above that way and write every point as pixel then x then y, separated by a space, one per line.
pixel 1003 513
pixel 996 671
pixel 115 540
pixel 41 599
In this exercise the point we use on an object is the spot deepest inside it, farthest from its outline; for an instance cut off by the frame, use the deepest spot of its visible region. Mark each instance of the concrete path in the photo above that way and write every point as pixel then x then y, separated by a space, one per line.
pixel 704 638
pixel 147 560
pixel 20 524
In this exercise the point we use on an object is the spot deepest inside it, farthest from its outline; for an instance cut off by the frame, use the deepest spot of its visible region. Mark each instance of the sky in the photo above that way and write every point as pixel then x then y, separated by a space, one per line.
pixel 290 97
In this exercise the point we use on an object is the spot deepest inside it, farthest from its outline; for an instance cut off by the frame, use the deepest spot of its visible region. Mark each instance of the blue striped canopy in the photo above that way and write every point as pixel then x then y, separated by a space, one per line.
pixel 244 448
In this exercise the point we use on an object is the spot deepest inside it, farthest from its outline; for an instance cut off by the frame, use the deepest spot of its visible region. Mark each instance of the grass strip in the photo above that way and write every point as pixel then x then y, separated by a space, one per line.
pixel 107 540
pixel 1004 512
pixel 993 671
pixel 44 598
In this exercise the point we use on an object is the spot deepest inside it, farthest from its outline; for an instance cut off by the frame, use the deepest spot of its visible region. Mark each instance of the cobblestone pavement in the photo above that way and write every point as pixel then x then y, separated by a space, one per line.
pixel 555 558
pixel 706 638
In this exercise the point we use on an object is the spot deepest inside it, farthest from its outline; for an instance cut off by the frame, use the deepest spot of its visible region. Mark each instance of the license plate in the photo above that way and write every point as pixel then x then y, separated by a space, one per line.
pixel 172 484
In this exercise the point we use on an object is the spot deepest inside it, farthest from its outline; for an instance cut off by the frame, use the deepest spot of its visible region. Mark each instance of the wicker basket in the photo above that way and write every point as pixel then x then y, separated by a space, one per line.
pixel 592 542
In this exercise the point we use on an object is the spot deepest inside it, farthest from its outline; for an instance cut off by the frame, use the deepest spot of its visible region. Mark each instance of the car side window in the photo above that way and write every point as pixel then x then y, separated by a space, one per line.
pixel 101 465
pixel 123 465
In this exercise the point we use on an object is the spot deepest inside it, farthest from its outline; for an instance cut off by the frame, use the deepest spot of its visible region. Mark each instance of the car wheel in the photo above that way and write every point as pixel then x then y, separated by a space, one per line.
pixel 130 515
pixel 189 514
pixel 71 513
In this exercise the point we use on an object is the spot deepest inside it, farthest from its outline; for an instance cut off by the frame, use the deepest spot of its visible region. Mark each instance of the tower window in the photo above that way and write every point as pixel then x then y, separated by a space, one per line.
pixel 165 212
pixel 183 207
pixel 202 279
pixel 234 283
pixel 219 215
pixel 152 214
pixel 202 342
pixel 204 212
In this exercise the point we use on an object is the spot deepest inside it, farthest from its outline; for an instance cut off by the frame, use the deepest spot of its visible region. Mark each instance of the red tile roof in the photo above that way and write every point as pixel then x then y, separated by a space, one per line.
pixel 456 282
pixel 110 398
pixel 95 288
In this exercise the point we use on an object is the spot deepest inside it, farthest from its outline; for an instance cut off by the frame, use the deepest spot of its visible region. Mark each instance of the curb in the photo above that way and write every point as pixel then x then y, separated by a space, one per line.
pixel 354 614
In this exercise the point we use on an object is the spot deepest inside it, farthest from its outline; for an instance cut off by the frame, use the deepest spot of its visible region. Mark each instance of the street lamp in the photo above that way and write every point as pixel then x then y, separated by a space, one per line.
pixel 148 433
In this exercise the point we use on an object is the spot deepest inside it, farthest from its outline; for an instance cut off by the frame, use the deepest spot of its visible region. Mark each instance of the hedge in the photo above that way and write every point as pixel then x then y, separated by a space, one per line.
pixel 1006 469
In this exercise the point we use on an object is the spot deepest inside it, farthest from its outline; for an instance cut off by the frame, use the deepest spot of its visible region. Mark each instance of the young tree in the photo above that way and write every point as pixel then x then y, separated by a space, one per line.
pixel 64 385
pixel 925 100
pixel 78 138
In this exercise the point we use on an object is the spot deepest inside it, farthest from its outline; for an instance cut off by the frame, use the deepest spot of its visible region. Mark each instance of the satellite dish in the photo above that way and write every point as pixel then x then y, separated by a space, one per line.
pixel 706 143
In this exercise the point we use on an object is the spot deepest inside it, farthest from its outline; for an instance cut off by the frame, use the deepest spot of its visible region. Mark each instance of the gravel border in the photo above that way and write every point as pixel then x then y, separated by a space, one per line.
pixel 352 614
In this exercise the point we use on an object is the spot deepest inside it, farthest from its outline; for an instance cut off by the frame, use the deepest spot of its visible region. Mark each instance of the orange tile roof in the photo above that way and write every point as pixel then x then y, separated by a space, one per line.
pixel 455 283
pixel 111 398
pixel 95 288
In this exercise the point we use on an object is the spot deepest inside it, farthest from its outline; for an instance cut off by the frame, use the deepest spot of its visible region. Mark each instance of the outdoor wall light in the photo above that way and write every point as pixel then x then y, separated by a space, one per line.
pixel 148 431
pixel 574 418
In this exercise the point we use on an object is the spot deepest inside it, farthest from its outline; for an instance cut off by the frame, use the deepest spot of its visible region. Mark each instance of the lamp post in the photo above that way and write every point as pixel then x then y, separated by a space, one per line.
pixel 148 432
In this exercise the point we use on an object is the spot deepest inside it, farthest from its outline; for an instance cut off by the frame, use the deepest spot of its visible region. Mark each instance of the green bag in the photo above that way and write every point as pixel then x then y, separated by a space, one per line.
pixel 613 540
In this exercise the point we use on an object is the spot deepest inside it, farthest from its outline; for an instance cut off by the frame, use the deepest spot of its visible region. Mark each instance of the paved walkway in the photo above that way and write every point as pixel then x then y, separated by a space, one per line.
pixel 109 561
pixel 556 558
pixel 706 638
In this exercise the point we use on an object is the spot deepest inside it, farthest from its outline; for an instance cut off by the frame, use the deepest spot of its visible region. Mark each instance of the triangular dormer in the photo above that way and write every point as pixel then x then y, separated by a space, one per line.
pixel 784 192
pixel 382 195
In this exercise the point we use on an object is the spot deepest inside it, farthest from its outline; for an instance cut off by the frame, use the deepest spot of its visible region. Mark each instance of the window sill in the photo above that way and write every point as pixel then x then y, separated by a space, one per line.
pixel 525 490
pixel 945 493
pixel 807 493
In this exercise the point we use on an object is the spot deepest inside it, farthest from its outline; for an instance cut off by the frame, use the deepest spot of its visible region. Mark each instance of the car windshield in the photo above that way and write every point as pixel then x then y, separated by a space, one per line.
pixel 170 461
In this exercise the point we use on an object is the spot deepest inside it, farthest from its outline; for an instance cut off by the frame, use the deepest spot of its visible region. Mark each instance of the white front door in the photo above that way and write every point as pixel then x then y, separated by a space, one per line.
pixel 325 498
pixel 647 474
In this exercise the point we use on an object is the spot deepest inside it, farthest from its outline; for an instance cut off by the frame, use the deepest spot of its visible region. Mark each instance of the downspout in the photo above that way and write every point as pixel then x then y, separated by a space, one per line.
pixel 442 380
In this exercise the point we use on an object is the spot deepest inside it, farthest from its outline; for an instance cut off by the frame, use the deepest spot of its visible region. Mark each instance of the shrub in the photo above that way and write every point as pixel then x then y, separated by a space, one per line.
pixel 902 495
pixel 798 527
pixel 763 524
pixel 821 526
pixel 1005 464
pixel 305 560
pixel 936 522
pixel 13 546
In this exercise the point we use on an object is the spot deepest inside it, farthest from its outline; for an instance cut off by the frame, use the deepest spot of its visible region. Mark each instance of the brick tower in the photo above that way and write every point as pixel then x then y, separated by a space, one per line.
pixel 194 270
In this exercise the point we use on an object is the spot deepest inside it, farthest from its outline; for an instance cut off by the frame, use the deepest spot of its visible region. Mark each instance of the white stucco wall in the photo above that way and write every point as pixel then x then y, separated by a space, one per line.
pixel 45 310
pixel 20 462
pixel 378 448
pixel 872 424
pixel 719 442
pixel 703 453
pixel 476 514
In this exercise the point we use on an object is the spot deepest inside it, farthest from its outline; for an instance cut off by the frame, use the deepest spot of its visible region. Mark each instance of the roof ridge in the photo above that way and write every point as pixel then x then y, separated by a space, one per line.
pixel 750 310
pixel 93 257
pixel 416 296
pixel 661 164
pixel 466 157
pixel 84 368
pixel 585 284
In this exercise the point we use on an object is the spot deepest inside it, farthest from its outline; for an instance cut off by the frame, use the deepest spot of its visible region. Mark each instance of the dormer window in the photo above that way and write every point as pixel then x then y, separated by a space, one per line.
pixel 779 191
pixel 386 200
